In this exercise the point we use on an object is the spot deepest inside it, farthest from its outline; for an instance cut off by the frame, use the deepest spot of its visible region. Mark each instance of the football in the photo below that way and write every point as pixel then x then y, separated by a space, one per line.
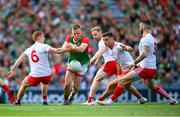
pixel 75 65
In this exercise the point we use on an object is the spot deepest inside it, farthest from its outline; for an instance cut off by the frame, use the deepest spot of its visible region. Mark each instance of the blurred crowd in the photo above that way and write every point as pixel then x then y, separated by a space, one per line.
pixel 20 18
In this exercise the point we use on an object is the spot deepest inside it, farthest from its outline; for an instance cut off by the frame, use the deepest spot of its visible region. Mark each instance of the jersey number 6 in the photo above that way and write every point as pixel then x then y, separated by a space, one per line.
pixel 34 57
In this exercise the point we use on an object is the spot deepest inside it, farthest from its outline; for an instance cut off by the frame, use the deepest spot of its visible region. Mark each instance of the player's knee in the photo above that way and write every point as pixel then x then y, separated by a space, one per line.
pixel 121 82
pixel 98 79
pixel 127 85
pixel 25 85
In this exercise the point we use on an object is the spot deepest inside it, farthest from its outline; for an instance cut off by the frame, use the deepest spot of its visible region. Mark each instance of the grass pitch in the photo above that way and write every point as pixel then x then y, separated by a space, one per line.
pixel 117 109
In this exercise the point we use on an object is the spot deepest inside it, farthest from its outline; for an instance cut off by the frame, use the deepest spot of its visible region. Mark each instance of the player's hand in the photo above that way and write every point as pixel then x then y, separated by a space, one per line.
pixel 92 61
pixel 9 74
pixel 73 48
pixel 129 48
pixel 69 46
pixel 129 66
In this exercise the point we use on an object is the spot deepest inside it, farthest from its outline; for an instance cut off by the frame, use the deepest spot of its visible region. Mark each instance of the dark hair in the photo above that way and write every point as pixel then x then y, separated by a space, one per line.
pixel 109 34
pixel 147 22
pixel 75 27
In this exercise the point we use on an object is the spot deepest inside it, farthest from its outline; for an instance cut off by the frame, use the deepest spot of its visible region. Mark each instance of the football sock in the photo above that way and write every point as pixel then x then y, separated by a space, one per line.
pixel 89 99
pixel 101 98
pixel 161 91
pixel 44 98
pixel 117 92
pixel 6 88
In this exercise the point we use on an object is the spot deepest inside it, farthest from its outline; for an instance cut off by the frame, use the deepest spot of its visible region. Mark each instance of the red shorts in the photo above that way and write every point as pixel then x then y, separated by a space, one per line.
pixel 111 67
pixel 146 73
pixel 34 81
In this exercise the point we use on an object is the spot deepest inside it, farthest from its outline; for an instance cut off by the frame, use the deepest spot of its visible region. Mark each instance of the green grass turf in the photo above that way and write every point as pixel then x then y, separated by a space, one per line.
pixel 117 109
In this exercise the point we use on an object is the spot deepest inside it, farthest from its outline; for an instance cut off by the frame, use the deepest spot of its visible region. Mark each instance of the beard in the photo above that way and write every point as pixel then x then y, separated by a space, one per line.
pixel 141 32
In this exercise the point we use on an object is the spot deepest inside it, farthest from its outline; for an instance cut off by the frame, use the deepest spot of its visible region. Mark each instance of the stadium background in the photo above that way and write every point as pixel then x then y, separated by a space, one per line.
pixel 19 18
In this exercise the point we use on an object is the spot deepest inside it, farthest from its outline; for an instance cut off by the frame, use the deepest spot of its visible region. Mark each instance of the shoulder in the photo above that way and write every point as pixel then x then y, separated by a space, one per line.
pixel 118 45
pixel 101 43
pixel 68 38
pixel 28 50
pixel 85 40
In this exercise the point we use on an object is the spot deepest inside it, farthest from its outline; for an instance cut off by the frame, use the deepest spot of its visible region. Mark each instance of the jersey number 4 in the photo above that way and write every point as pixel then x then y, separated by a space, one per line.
pixel 34 56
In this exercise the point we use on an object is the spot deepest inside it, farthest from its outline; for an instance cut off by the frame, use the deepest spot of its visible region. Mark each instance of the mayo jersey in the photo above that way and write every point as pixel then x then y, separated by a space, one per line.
pixel 123 57
pixel 38 58
pixel 107 55
pixel 150 60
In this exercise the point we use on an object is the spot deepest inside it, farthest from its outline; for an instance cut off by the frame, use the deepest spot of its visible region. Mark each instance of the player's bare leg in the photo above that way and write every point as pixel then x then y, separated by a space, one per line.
pixel 77 82
pixel 122 82
pixel 134 91
pixel 158 89
pixel 44 93
pixel 8 91
pixel 112 85
pixel 67 86
pixel 97 80
pixel 109 90
pixel 22 90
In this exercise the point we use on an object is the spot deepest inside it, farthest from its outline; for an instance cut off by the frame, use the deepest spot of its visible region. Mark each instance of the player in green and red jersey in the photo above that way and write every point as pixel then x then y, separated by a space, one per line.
pixel 79 52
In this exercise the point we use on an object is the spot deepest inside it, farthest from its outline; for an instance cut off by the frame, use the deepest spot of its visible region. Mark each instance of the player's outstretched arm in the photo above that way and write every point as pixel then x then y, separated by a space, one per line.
pixel 59 50
pixel 15 66
pixel 126 47
pixel 96 61
pixel 140 57
pixel 97 55
pixel 65 48
pixel 79 49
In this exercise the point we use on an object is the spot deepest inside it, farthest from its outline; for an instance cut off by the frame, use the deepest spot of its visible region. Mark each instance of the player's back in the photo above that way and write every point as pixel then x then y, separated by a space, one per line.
pixel 38 58
pixel 150 60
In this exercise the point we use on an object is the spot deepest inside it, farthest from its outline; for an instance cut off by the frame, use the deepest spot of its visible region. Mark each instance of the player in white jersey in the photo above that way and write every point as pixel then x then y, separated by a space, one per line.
pixel 146 67
pixel 39 64
pixel 123 58
pixel 110 66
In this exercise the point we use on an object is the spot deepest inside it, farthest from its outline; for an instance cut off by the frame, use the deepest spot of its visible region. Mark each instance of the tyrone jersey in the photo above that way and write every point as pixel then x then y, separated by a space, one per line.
pixel 38 58
pixel 123 57
pixel 150 60
pixel 107 55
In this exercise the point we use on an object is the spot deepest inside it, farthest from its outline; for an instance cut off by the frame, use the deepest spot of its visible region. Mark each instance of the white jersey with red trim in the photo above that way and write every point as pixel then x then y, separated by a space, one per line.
pixel 107 55
pixel 150 60
pixel 38 59
pixel 123 57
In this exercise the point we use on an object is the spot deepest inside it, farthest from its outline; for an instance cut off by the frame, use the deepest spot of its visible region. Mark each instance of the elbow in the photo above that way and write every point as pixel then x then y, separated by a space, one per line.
pixel 145 55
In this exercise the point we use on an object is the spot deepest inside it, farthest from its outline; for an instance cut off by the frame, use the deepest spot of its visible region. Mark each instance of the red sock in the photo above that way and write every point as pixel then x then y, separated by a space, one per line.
pixel 161 91
pixel 6 88
pixel 117 92
pixel 101 98
pixel 89 99
pixel 44 98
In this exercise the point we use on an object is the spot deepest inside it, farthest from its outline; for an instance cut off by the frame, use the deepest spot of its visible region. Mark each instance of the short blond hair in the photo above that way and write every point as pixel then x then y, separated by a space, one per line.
pixel 36 34
pixel 97 28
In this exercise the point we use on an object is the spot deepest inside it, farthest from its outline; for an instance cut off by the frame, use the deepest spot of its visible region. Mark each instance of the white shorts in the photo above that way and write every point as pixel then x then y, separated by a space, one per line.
pixel 81 72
